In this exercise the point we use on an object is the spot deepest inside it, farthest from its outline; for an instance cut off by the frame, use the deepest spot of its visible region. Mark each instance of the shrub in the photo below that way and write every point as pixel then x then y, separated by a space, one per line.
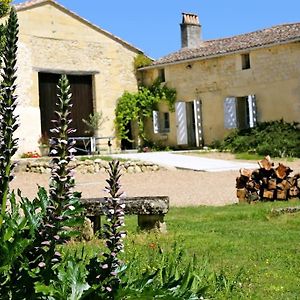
pixel 276 138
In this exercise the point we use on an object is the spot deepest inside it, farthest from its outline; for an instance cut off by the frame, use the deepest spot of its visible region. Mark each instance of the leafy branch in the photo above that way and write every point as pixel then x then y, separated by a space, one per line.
pixel 136 107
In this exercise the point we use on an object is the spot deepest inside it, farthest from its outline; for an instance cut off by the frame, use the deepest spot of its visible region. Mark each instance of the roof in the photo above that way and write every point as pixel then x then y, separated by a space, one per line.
pixel 35 3
pixel 280 34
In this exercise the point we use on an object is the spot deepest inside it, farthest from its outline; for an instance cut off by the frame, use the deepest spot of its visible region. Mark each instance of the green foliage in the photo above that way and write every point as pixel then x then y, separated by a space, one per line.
pixel 141 61
pixel 94 122
pixel 103 275
pixel 70 282
pixel 167 275
pixel 136 107
pixel 8 122
pixel 4 7
pixel 276 138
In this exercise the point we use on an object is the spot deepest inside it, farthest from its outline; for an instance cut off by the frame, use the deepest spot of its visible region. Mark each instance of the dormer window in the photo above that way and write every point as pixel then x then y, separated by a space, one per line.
pixel 246 61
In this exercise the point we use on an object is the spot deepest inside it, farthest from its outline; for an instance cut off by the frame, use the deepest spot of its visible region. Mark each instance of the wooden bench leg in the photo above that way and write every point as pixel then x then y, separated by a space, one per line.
pixel 150 222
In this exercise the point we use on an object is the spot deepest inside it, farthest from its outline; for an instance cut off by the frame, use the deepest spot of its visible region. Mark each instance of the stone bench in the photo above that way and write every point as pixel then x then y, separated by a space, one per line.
pixel 150 211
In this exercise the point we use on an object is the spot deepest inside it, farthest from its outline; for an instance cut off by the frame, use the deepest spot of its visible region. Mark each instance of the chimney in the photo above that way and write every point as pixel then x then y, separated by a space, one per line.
pixel 190 31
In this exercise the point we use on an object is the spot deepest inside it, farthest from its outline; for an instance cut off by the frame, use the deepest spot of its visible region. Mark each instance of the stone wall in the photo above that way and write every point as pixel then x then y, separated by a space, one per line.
pixel 274 78
pixel 42 166
pixel 53 40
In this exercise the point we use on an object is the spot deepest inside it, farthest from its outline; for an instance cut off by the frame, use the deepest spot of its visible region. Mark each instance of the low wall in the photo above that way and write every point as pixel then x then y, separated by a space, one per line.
pixel 88 166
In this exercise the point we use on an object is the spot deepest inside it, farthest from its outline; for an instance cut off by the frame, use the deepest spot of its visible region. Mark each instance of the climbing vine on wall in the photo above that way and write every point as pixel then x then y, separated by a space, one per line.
pixel 136 107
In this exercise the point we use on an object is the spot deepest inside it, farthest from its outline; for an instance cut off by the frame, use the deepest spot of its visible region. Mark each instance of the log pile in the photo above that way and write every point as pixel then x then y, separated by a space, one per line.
pixel 267 183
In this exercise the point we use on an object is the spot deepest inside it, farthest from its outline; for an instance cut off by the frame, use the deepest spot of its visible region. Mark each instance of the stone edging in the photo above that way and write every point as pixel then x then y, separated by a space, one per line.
pixel 42 166
pixel 285 210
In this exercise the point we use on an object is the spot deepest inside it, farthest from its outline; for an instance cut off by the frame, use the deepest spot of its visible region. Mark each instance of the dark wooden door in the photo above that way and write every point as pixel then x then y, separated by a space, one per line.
pixel 82 99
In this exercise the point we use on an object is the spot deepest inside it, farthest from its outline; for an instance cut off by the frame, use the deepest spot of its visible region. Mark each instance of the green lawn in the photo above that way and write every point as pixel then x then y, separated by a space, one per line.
pixel 246 238
pixel 243 251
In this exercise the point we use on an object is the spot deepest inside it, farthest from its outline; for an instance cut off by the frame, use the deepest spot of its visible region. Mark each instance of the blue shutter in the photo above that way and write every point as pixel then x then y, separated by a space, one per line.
pixel 181 123
pixel 230 119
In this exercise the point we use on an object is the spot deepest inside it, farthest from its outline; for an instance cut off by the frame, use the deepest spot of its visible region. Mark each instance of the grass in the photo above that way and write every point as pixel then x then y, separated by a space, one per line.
pixel 256 157
pixel 102 157
pixel 252 253
pixel 240 156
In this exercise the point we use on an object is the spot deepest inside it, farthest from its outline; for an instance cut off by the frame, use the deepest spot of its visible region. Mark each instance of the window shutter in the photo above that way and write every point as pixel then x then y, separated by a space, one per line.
pixel 155 116
pixel 181 123
pixel 198 123
pixel 252 110
pixel 230 119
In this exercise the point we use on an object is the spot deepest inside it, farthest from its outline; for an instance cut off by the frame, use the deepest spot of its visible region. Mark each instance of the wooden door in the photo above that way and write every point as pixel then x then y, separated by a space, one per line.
pixel 82 99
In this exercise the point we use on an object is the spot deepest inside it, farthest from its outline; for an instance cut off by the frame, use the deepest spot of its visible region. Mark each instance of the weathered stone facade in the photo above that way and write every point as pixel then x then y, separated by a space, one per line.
pixel 54 40
pixel 273 77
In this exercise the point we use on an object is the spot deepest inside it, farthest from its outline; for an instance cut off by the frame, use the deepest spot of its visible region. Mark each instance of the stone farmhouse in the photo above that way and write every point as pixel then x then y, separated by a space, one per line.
pixel 53 40
pixel 226 83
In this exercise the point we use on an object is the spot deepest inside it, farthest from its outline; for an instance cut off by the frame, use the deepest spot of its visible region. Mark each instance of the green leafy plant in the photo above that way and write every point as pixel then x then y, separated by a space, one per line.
pixel 94 122
pixel 103 274
pixel 141 61
pixel 8 120
pixel 276 138
pixel 64 208
pixel 136 107
pixel 169 276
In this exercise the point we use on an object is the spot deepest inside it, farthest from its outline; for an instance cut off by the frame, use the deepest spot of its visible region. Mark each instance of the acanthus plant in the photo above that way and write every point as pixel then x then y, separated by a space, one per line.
pixel 30 261
pixel 8 102
pixel 64 209
pixel 103 275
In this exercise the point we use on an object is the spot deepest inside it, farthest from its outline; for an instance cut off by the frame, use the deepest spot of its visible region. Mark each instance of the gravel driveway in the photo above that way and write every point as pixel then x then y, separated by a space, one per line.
pixel 184 187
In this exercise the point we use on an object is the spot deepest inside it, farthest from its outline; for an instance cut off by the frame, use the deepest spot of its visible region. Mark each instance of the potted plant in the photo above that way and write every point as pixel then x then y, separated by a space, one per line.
pixel 44 144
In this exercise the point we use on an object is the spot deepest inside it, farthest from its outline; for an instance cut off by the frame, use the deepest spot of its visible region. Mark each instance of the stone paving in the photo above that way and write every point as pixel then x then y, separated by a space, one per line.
pixel 179 161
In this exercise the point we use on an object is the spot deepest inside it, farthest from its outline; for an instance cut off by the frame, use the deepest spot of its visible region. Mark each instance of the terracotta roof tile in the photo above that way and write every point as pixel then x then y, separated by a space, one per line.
pixel 211 48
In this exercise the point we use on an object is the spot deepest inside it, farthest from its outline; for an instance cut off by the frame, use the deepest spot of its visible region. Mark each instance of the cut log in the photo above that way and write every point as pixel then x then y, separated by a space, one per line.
pixel 283 185
pixel 272 184
pixel 266 163
pixel 268 194
pixel 241 182
pixel 241 195
pixel 281 194
pixel 246 172
pixel 283 171
pixel 291 181
pixel 293 192
pixel 267 182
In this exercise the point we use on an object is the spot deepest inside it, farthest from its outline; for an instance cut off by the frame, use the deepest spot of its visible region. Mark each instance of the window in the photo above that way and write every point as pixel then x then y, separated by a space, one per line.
pixel 165 122
pixel 161 75
pixel 240 112
pixel 245 61
pixel 161 122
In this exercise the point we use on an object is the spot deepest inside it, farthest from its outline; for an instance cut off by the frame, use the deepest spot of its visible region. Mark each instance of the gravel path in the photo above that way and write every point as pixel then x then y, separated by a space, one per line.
pixel 184 187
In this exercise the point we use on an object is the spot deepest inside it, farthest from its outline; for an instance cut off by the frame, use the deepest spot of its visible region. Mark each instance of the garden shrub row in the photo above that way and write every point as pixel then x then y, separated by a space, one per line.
pixel 274 138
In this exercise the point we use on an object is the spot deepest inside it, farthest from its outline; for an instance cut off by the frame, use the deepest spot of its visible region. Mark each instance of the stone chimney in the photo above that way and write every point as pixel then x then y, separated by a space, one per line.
pixel 190 31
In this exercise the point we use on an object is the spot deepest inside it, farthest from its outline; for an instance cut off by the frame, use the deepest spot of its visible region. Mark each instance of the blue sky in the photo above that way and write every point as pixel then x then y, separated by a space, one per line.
pixel 153 26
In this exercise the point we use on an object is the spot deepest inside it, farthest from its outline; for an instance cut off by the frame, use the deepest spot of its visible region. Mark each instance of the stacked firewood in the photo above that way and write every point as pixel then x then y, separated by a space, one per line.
pixel 267 183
